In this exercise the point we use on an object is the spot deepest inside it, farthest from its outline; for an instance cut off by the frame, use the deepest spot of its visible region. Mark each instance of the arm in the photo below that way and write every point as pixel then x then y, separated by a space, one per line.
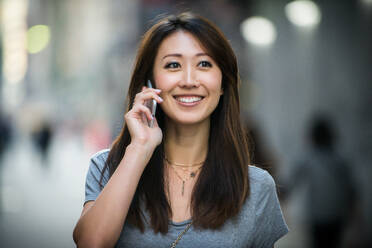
pixel 102 220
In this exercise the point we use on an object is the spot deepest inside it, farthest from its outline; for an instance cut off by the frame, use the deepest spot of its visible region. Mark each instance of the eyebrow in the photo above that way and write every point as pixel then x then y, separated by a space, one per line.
pixel 180 55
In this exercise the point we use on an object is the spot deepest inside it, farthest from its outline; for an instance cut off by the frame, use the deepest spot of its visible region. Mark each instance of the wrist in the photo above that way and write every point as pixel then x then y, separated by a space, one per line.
pixel 140 147
pixel 136 157
pixel 140 150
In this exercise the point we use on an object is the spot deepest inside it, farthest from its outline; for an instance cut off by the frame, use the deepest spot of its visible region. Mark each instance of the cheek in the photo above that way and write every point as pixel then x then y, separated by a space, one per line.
pixel 164 81
pixel 213 81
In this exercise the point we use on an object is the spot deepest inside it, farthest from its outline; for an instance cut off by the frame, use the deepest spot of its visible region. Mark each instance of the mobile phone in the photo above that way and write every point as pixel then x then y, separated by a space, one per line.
pixel 151 104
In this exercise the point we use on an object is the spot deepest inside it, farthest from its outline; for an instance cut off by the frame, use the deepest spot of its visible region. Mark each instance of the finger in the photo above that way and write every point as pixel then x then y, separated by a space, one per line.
pixel 146 89
pixel 144 96
pixel 144 119
pixel 143 110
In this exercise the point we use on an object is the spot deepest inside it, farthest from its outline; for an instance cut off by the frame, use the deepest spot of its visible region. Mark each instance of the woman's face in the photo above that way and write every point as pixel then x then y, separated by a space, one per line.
pixel 189 78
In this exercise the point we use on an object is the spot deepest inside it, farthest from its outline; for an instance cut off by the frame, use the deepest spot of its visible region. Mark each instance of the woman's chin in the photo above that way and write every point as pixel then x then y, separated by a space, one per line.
pixel 188 120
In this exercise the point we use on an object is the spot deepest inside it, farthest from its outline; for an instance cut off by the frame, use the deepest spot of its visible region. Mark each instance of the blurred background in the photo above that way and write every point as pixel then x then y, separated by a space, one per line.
pixel 306 98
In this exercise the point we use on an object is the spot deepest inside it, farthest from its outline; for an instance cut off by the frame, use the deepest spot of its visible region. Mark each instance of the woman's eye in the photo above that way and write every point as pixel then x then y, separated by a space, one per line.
pixel 205 64
pixel 172 65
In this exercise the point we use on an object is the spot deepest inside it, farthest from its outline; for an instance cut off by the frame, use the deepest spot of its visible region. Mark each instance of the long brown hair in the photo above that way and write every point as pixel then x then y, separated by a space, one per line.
pixel 223 183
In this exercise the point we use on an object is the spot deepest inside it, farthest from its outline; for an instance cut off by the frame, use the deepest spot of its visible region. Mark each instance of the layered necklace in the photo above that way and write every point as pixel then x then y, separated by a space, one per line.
pixel 190 170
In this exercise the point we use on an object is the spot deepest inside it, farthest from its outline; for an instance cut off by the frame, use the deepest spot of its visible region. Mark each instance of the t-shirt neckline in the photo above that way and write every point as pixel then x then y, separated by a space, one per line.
pixel 181 223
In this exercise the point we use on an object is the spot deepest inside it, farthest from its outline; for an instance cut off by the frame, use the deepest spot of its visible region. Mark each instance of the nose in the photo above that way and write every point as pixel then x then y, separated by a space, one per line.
pixel 188 78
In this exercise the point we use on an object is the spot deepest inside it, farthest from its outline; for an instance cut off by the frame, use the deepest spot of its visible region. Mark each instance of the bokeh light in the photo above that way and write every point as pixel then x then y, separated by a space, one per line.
pixel 303 13
pixel 367 2
pixel 258 31
pixel 38 38
pixel 13 26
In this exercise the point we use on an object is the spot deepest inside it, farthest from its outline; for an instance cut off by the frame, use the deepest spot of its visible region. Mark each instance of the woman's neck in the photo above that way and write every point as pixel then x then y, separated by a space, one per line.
pixel 187 144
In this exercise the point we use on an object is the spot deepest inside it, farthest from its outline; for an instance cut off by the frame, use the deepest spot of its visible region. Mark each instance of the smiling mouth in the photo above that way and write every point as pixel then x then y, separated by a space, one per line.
pixel 188 99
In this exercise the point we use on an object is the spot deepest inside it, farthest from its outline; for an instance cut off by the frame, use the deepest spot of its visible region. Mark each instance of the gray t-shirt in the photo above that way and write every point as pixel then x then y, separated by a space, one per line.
pixel 260 222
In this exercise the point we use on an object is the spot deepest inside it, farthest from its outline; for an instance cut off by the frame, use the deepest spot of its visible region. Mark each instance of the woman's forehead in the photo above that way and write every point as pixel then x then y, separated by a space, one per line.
pixel 181 43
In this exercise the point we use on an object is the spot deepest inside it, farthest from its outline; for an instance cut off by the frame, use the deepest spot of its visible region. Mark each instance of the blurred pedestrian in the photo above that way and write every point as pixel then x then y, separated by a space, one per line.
pixel 5 134
pixel 42 137
pixel 5 140
pixel 330 192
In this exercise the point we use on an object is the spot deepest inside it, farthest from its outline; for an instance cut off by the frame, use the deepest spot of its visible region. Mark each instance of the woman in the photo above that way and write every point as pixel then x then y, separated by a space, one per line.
pixel 185 181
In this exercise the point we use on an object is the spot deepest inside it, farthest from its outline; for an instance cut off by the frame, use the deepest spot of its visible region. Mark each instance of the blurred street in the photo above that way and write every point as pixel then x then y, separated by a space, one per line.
pixel 65 69
pixel 40 203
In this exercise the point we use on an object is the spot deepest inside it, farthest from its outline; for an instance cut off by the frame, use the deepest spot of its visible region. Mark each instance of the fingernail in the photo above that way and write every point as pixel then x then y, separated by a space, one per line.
pixel 158 90
pixel 161 99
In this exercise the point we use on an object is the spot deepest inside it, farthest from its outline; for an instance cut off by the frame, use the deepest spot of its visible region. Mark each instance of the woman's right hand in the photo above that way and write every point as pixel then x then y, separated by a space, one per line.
pixel 137 120
pixel 111 206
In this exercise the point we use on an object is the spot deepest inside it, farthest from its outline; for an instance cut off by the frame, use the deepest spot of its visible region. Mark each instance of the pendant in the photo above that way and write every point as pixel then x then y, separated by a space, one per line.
pixel 183 187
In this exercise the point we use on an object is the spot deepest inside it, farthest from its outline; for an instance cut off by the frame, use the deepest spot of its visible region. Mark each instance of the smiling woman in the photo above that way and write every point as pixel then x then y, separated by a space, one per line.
pixel 186 181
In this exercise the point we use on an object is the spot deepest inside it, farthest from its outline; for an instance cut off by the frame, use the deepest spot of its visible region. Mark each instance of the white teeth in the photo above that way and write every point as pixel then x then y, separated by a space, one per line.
pixel 189 99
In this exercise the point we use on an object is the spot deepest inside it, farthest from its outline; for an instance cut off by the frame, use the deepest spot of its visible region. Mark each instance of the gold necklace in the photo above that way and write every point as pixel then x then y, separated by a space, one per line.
pixel 183 165
pixel 192 173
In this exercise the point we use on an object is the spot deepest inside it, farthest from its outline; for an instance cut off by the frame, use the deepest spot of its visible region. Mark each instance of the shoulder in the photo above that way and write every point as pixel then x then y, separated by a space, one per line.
pixel 100 157
pixel 97 163
pixel 102 154
pixel 96 177
pixel 264 208
pixel 261 183
pixel 260 177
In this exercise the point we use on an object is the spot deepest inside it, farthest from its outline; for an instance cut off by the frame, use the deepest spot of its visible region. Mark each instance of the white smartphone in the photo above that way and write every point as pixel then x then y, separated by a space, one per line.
pixel 151 104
